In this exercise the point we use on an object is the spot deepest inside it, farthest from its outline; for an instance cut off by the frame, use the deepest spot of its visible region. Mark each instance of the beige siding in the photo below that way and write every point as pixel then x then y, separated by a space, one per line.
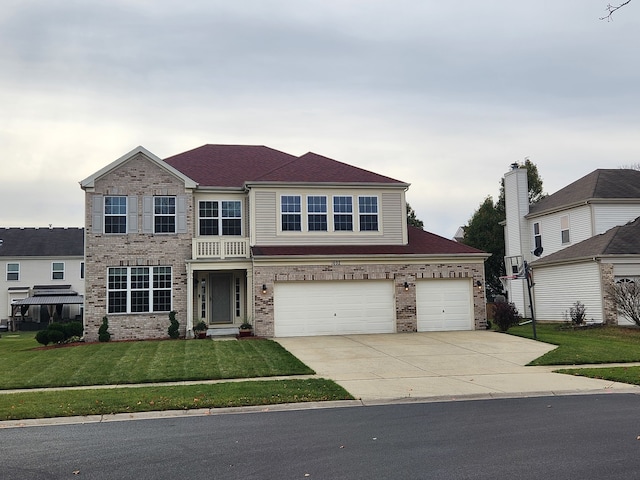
pixel 558 288
pixel 391 218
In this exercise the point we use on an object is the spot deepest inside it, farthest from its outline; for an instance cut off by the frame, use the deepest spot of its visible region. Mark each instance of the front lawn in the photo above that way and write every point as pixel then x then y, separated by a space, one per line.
pixel 112 363
pixel 586 345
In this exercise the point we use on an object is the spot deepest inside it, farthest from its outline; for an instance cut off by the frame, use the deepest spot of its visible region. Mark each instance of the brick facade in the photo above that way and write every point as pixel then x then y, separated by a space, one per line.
pixel 609 309
pixel 102 251
pixel 406 320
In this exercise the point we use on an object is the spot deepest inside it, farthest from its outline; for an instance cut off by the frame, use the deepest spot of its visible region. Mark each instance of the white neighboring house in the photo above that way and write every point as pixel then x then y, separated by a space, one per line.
pixel 589 235
pixel 42 274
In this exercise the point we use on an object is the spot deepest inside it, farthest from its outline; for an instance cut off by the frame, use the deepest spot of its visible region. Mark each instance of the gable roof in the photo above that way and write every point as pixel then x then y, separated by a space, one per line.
pixel 89 182
pixel 618 183
pixel 620 240
pixel 420 243
pixel 42 242
pixel 233 166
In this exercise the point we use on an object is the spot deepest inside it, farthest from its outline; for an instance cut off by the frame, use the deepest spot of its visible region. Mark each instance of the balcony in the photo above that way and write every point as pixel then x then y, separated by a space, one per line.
pixel 220 248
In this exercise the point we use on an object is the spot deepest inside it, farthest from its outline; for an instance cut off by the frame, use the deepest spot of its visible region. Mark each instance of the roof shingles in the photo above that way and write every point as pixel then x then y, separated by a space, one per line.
pixel 42 242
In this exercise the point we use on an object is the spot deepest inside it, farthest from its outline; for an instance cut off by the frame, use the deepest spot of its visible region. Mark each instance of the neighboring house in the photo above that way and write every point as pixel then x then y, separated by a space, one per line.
pixel 42 274
pixel 582 236
pixel 295 245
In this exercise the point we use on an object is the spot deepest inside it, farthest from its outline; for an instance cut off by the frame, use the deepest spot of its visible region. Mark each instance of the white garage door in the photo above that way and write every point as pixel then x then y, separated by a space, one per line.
pixel 333 308
pixel 444 304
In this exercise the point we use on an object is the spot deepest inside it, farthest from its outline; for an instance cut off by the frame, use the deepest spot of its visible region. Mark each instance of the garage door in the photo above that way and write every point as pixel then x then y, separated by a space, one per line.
pixel 444 305
pixel 333 308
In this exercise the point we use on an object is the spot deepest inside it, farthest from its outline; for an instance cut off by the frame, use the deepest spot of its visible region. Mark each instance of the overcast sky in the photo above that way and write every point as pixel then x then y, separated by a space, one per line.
pixel 443 95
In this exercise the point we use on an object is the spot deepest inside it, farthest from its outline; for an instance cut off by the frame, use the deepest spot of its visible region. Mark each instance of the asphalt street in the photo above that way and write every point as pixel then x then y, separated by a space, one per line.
pixel 583 437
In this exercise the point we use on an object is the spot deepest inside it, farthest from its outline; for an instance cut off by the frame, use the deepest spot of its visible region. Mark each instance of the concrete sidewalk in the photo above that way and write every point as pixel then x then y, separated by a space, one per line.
pixel 384 368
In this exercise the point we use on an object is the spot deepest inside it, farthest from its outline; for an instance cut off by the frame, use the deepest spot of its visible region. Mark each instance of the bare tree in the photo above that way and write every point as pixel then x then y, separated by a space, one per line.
pixel 626 297
pixel 612 8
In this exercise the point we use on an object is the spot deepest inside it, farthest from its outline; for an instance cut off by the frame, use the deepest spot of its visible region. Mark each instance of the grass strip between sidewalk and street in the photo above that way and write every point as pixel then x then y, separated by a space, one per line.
pixel 104 401
pixel 629 374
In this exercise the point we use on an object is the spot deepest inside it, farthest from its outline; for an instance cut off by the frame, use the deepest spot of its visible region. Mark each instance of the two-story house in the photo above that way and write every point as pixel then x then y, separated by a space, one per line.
pixel 42 275
pixel 295 245
pixel 586 235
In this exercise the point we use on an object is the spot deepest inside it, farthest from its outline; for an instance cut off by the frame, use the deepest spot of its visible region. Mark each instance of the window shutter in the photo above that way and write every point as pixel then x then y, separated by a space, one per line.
pixel 132 205
pixel 147 214
pixel 97 213
pixel 181 211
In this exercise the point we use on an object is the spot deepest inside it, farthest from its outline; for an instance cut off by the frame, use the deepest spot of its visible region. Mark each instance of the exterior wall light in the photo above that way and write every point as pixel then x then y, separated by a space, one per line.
pixel 406 286
pixel 264 288
pixel 479 285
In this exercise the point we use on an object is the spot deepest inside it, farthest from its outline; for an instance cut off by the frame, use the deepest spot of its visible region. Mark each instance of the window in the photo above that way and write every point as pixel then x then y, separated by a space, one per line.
pixel 164 214
pixel 342 213
pixel 564 229
pixel 13 271
pixel 537 237
pixel 57 271
pixel 231 217
pixel 368 213
pixel 115 214
pixel 317 213
pixel 291 214
pixel 225 217
pixel 81 269
pixel 139 289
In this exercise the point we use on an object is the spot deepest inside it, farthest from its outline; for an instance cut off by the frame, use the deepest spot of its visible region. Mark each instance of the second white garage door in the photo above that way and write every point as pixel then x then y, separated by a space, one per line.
pixel 333 308
pixel 444 304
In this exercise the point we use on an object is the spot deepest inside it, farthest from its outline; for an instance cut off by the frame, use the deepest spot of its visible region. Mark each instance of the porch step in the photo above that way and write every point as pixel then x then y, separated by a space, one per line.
pixel 222 332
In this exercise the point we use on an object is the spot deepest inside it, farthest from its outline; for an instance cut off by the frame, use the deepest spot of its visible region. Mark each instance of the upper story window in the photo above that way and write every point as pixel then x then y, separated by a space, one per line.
pixel 13 272
pixel 115 214
pixel 81 269
pixel 342 213
pixel 139 289
pixel 564 229
pixel 317 213
pixel 368 213
pixel 291 213
pixel 57 271
pixel 164 214
pixel 537 236
pixel 220 218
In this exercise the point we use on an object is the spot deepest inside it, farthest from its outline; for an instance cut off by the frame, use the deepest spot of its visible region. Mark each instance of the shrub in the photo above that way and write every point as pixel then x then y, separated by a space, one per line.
pixel 505 315
pixel 73 329
pixel 103 331
pixel 55 336
pixel 174 327
pixel 42 337
pixel 578 313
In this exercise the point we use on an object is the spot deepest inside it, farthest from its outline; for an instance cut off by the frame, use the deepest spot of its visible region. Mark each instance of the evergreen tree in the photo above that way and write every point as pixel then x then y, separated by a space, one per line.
pixel 412 219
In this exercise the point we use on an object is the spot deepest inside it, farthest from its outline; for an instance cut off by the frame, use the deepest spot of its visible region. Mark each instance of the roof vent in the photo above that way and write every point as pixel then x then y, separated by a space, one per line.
pixel 515 166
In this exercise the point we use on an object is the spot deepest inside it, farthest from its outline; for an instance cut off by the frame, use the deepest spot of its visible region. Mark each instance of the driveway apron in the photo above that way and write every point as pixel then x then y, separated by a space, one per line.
pixel 438 365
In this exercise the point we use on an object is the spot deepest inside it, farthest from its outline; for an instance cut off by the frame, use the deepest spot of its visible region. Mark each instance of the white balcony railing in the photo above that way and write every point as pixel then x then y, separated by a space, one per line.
pixel 220 247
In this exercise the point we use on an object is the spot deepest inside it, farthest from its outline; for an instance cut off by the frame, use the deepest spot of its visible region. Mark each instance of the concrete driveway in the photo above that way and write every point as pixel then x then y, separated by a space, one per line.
pixel 438 365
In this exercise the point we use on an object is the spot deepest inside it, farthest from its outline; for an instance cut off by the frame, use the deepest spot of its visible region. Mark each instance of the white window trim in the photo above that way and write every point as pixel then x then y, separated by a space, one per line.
pixel 325 213
pixel 173 215
pixel 125 215
pixel 53 271
pixel 334 213
pixel 13 272
pixel 567 229
pixel 220 217
pixel 129 290
pixel 538 234
pixel 299 213
pixel 377 214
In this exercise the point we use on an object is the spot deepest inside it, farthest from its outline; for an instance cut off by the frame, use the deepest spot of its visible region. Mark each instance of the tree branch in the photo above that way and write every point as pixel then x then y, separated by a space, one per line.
pixel 612 8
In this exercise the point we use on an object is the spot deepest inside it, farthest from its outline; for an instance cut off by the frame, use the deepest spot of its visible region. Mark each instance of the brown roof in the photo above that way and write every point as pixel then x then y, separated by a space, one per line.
pixel 41 242
pixel 420 243
pixel 620 240
pixel 236 165
pixel 615 183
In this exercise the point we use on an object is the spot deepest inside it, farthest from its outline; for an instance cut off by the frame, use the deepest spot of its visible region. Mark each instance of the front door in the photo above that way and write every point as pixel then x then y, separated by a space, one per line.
pixel 221 298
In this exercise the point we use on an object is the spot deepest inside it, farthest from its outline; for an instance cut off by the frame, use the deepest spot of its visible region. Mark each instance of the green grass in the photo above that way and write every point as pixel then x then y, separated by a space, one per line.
pixel 65 403
pixel 26 366
pixel 591 345
pixel 629 374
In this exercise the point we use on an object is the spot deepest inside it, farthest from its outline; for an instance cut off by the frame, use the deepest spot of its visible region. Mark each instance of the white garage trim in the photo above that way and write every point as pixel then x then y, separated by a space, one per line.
pixel 444 304
pixel 334 307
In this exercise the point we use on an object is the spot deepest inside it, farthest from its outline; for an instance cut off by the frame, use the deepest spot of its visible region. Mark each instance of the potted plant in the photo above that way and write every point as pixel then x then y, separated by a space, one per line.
pixel 246 329
pixel 200 329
